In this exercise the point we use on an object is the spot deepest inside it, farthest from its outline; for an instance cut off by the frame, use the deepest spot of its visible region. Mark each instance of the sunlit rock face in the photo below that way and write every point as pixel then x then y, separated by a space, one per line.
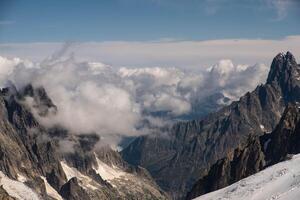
pixel 36 162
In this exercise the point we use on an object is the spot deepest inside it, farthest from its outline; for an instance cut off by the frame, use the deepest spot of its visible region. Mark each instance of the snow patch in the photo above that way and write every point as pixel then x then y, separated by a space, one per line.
pixel 107 172
pixel 17 189
pixel 21 178
pixel 280 181
pixel 86 182
pixel 262 127
pixel 50 190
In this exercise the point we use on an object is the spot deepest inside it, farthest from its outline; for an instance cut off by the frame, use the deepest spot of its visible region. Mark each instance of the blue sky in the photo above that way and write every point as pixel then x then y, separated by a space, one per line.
pixel 146 20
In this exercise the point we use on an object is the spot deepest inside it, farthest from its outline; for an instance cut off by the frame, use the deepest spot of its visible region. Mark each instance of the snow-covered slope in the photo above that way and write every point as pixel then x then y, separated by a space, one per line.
pixel 50 190
pixel 107 172
pixel 128 184
pixel 280 182
pixel 85 181
pixel 17 189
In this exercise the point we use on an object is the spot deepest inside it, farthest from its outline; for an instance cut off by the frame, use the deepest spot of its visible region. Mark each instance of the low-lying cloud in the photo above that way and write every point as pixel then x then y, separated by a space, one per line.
pixel 114 102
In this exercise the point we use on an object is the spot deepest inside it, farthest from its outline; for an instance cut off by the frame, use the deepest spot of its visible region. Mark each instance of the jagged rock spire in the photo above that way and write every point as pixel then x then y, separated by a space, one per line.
pixel 285 73
pixel 281 66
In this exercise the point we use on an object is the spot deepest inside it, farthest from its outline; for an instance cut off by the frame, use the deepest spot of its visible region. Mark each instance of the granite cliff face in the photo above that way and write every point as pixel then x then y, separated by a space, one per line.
pixel 284 139
pixel 258 153
pixel 32 165
pixel 269 148
pixel 189 149
pixel 242 162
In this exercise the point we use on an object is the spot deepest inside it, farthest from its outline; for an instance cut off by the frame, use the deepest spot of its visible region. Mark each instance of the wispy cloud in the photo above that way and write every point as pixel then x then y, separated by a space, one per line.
pixel 281 7
pixel 164 53
pixel 211 7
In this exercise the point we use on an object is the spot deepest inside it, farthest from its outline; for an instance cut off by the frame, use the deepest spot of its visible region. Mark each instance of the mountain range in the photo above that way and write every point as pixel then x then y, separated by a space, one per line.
pixel 182 161
pixel 190 149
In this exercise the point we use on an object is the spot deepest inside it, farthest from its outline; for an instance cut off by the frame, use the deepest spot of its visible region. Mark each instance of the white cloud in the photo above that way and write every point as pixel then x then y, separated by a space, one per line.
pixel 7 66
pixel 116 101
pixel 166 102
pixel 157 89
pixel 87 101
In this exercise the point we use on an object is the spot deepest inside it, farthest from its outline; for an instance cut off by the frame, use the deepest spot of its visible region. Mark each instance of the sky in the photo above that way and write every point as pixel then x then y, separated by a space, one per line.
pixel 146 20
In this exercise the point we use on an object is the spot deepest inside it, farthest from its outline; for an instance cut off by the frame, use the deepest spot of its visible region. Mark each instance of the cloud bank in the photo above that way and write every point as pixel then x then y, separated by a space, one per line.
pixel 116 102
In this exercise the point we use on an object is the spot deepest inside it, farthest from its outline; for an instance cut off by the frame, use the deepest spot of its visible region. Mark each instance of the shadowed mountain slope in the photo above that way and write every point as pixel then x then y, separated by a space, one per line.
pixel 188 149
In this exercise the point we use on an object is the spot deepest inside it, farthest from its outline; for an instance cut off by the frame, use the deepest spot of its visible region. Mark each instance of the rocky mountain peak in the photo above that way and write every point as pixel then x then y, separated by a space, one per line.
pixel 282 64
pixel 285 73
pixel 8 90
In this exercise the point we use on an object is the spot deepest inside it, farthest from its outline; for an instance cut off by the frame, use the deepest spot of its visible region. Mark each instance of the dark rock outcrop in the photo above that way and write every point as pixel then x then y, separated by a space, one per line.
pixel 243 162
pixel 285 139
pixel 262 152
pixel 73 191
pixel 41 101
pixel 4 195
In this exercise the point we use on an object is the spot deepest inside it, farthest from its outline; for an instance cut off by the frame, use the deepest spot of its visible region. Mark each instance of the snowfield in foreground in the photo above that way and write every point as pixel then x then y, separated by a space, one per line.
pixel 280 182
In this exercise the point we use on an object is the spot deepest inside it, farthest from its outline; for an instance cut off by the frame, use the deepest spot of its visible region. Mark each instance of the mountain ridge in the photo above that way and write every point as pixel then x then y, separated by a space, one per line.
pixel 199 155
pixel 273 148
pixel 31 157
pixel 192 147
